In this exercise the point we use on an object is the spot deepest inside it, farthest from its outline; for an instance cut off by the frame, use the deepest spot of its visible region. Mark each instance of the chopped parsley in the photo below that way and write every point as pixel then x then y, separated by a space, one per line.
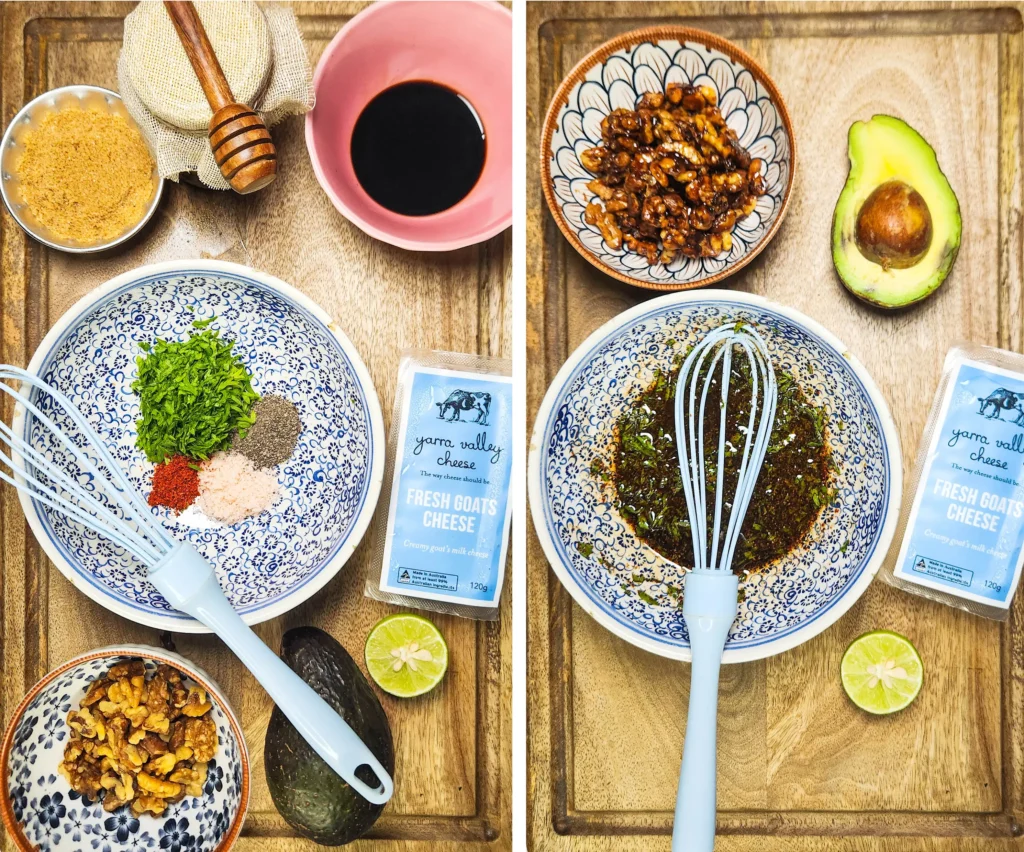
pixel 194 395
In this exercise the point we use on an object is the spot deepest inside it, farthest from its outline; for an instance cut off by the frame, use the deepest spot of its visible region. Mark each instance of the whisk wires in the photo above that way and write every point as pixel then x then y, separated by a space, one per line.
pixel 37 474
pixel 712 357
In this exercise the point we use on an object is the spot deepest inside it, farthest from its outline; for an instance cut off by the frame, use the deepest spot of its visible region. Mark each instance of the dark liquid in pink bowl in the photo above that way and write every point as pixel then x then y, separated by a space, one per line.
pixel 418 148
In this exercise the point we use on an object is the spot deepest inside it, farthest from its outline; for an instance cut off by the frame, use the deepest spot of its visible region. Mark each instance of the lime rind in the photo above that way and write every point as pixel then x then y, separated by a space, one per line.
pixel 406 655
pixel 882 672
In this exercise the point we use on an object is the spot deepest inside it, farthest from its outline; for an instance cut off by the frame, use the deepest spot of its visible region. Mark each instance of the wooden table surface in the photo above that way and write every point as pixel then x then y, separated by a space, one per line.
pixel 800 768
pixel 453 755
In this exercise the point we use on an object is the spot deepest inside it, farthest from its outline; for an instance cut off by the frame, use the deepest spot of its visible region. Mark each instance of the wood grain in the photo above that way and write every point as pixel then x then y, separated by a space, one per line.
pixel 799 767
pixel 452 752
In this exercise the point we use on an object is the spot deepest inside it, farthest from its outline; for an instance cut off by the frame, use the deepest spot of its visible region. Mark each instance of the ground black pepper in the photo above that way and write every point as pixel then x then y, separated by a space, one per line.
pixel 272 438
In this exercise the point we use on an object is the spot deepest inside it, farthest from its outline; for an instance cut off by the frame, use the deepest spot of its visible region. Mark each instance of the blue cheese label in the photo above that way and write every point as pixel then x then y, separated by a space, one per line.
pixel 449 514
pixel 964 533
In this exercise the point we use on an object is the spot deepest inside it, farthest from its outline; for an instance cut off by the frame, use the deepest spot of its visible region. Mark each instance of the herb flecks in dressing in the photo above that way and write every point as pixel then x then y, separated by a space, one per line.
pixel 795 482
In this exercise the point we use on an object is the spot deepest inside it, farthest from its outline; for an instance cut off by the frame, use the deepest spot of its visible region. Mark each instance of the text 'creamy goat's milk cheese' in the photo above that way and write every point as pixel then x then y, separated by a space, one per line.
pixel 963 535
pixel 449 470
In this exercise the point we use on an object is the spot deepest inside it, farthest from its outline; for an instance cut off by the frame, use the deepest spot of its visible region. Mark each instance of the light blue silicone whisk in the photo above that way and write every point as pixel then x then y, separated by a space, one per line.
pixel 710 592
pixel 99 496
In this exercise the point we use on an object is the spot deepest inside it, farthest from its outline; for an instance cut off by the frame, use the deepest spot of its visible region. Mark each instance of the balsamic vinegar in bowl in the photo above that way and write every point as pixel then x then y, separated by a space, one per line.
pixel 418 148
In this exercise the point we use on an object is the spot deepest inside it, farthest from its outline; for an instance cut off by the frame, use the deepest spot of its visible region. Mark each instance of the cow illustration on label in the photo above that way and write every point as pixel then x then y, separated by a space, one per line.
pixel 459 401
pixel 1000 400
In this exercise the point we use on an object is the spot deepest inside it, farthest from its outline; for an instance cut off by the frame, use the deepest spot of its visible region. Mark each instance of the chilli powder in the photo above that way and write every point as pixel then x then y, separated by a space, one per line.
pixel 175 484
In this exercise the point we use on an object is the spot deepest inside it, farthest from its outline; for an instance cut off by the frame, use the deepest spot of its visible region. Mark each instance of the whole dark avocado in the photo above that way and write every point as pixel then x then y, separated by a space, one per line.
pixel 308 794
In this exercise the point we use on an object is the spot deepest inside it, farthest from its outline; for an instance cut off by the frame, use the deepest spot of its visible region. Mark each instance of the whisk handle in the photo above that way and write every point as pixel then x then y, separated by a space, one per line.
pixel 188 582
pixel 709 608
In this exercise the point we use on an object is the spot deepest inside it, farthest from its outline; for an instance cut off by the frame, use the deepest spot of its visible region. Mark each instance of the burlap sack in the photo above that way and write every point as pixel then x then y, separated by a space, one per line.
pixel 263 57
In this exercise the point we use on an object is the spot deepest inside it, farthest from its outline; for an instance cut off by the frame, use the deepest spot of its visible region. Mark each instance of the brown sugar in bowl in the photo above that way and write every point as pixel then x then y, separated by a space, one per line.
pixel 28 120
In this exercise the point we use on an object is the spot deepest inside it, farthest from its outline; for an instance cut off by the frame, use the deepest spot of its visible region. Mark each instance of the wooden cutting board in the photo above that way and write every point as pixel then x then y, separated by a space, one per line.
pixel 452 775
pixel 799 767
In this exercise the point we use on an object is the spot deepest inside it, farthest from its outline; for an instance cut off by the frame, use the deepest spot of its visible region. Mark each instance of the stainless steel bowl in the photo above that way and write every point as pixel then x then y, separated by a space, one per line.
pixel 30 115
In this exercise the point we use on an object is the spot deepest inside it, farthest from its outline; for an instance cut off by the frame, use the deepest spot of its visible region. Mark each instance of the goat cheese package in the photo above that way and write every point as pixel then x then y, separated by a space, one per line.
pixel 447 478
pixel 963 534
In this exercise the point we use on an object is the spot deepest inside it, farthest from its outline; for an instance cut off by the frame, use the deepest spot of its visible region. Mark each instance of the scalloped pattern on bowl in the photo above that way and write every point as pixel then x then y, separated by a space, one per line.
pixel 619 82
pixel 596 554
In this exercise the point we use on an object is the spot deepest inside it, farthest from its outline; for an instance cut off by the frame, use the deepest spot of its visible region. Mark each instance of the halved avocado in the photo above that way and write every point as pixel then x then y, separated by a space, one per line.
pixel 896 229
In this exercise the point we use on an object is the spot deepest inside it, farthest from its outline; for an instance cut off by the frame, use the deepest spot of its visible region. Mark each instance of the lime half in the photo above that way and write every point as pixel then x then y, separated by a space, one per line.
pixel 882 672
pixel 406 655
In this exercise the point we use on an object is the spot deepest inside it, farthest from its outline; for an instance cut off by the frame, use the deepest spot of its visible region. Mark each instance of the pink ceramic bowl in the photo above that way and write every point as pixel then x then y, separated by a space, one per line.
pixel 466 46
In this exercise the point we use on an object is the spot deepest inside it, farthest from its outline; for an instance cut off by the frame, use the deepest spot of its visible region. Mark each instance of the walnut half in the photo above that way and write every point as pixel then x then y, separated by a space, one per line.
pixel 140 739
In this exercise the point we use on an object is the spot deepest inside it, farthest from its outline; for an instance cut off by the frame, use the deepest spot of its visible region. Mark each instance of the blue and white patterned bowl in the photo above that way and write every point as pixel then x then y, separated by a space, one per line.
pixel 43 813
pixel 785 604
pixel 615 76
pixel 267 564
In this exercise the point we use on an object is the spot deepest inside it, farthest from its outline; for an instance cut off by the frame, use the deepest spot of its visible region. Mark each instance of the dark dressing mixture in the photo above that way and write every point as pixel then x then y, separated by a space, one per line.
pixel 418 148
pixel 794 484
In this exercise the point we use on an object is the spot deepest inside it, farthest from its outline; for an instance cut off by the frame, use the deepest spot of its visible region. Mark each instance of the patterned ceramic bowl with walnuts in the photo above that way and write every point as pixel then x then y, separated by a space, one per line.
pixel 42 812
pixel 616 76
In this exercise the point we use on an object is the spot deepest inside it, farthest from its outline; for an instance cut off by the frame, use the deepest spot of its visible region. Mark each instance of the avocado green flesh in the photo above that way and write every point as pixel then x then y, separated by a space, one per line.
pixel 884 149
pixel 306 792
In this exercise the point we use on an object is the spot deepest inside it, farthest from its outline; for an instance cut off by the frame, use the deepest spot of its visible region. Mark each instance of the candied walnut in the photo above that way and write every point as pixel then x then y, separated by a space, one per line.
pixel 670 177
pixel 201 737
pixel 593 159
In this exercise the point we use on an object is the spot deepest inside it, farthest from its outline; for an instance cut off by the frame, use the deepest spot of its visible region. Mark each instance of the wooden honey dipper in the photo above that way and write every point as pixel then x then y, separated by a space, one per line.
pixel 239 139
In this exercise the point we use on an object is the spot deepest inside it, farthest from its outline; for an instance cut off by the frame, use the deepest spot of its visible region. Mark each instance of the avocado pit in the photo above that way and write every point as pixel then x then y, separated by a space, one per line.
pixel 894 226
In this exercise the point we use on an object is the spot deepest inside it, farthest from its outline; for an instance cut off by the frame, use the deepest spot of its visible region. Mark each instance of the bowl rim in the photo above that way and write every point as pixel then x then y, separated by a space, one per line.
pixel 375 473
pixel 600 55
pixel 732 655
pixel 171 658
pixel 497 227
pixel 77 88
